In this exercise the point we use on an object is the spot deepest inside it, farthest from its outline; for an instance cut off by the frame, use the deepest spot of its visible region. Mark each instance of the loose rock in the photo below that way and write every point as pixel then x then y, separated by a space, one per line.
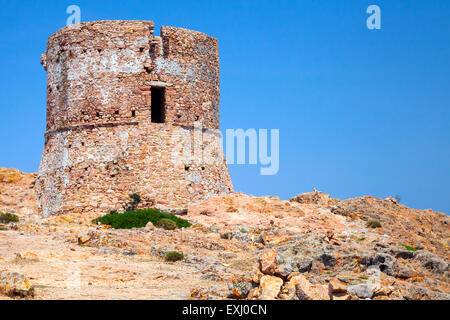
pixel 363 291
pixel 15 285
pixel 270 287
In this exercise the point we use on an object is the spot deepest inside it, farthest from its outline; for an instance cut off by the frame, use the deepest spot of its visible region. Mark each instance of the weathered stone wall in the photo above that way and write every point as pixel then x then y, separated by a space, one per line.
pixel 101 144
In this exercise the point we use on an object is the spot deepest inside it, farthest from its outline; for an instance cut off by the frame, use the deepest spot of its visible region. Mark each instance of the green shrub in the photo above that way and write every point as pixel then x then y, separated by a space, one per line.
pixel 409 248
pixel 373 224
pixel 139 219
pixel 166 224
pixel 174 256
pixel 8 217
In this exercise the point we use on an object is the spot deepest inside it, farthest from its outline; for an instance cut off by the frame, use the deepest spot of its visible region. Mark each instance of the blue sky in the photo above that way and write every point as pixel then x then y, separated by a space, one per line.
pixel 360 112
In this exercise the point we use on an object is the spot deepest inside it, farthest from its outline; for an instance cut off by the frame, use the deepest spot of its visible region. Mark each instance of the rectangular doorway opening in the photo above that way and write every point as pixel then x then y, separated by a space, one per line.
pixel 158 104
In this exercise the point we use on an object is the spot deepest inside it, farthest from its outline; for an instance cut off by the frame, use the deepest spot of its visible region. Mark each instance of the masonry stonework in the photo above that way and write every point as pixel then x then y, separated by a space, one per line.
pixel 101 141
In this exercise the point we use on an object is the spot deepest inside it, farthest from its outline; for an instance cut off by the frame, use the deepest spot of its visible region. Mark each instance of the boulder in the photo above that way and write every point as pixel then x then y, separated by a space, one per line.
pixel 337 286
pixel 253 293
pixel 15 285
pixel 129 252
pixel 305 290
pixel 289 291
pixel 239 289
pixel 256 276
pixel 386 263
pixel 405 273
pixel 261 238
pixel 270 287
pixel 304 264
pixel 284 269
pixel 366 260
pixel 403 253
pixel 432 262
pixel 363 291
pixel 315 197
pixel 268 262
pixel 149 227
pixel 226 235
pixel 83 238
pixel 382 291
pixel 327 259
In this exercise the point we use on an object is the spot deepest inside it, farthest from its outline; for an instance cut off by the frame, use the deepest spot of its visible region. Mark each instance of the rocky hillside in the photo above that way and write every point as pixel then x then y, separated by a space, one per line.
pixel 17 192
pixel 239 247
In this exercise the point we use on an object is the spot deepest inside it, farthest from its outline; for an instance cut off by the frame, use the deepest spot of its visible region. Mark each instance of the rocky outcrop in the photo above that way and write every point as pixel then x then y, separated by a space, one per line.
pixel 315 197
pixel 265 248
pixel 17 192
pixel 15 285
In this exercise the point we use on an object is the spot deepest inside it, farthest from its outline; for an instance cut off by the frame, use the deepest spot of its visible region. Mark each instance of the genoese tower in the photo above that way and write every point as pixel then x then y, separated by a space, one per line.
pixel 126 111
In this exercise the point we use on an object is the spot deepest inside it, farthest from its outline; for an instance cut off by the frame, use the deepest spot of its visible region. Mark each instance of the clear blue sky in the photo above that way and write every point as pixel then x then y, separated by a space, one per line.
pixel 360 112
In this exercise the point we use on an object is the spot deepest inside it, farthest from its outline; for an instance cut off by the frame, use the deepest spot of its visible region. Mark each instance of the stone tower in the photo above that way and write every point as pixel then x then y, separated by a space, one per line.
pixel 124 108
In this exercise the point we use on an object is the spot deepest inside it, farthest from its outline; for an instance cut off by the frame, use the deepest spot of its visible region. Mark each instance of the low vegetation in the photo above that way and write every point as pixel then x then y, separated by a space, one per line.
pixel 409 248
pixel 173 256
pixel 139 219
pixel 166 224
pixel 8 217
pixel 373 224
pixel 133 218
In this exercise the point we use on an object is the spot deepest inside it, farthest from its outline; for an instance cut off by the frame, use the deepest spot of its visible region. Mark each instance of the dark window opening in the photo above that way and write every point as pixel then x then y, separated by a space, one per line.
pixel 97 114
pixel 158 107
pixel 186 168
pixel 141 49
pixel 133 113
pixel 116 112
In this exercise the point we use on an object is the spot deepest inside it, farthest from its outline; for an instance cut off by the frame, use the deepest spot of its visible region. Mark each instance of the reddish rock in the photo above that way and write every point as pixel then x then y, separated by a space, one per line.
pixel 268 262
